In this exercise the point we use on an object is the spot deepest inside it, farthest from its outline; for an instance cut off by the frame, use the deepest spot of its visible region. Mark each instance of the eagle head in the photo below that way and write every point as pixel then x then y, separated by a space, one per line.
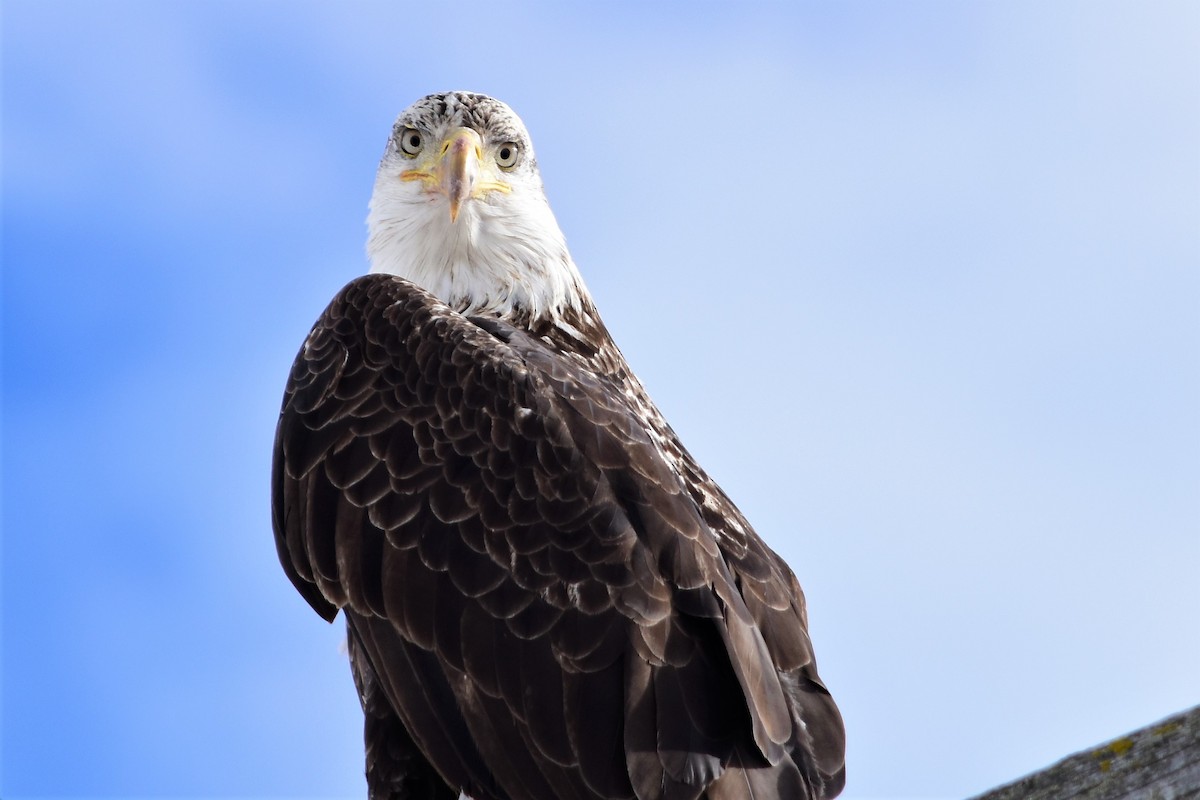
pixel 459 209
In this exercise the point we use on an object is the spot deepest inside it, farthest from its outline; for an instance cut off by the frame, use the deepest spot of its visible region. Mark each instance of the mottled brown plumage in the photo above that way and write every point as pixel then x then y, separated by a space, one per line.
pixel 546 597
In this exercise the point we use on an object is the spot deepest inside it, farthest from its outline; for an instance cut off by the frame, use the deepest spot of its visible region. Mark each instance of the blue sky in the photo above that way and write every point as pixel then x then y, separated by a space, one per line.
pixel 918 283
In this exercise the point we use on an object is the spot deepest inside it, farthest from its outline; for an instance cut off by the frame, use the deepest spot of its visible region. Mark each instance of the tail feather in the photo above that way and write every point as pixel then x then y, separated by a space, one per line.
pixel 744 779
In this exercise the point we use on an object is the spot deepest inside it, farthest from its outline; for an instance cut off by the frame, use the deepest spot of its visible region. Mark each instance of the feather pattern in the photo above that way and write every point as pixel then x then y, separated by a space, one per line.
pixel 530 579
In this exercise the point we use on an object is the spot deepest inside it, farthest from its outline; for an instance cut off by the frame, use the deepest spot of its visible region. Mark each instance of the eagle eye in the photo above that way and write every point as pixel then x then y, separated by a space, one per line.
pixel 410 142
pixel 506 155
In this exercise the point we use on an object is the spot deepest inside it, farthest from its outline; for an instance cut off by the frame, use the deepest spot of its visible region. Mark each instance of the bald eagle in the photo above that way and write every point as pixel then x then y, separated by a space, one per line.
pixel 546 597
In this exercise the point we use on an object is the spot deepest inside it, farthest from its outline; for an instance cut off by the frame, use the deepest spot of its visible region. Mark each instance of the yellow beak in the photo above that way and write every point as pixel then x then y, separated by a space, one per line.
pixel 457 170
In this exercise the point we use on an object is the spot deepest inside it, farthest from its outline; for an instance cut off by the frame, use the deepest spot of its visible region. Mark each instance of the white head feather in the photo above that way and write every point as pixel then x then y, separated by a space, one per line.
pixel 504 252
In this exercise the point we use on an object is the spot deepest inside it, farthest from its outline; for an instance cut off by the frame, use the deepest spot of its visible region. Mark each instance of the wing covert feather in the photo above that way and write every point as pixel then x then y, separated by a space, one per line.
pixel 518 554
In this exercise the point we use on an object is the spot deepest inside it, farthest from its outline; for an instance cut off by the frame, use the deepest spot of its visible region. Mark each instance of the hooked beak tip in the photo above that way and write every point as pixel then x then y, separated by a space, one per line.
pixel 459 167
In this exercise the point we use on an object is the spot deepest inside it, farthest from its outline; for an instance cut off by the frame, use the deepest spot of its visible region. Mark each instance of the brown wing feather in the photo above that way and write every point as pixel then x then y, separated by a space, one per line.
pixel 532 584
pixel 396 766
